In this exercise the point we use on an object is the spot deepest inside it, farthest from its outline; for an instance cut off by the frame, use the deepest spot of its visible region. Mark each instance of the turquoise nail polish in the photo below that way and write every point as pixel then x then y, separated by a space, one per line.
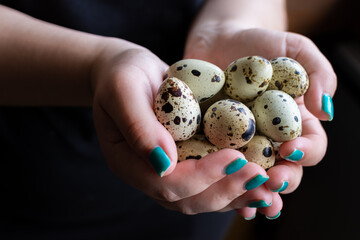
pixel 235 166
pixel 259 204
pixel 274 217
pixel 328 106
pixel 159 160
pixel 255 182
pixel 282 188
pixel 250 218
pixel 296 155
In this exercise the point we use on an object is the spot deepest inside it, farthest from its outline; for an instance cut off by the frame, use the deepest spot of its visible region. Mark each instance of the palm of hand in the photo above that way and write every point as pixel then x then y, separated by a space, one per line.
pixel 223 49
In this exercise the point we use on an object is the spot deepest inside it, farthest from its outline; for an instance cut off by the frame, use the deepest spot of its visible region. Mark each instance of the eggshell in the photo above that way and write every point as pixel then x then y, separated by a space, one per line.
pixel 247 78
pixel 229 124
pixel 217 97
pixel 260 151
pixel 289 76
pixel 194 148
pixel 177 109
pixel 204 79
pixel 277 116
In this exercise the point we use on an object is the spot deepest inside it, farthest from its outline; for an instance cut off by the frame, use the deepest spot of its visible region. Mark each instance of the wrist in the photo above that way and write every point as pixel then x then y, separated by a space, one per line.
pixel 107 52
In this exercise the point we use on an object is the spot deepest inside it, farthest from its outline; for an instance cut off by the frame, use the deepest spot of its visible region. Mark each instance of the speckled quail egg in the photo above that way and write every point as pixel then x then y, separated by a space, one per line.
pixel 177 109
pixel 247 78
pixel 194 148
pixel 204 79
pixel 289 76
pixel 260 151
pixel 277 116
pixel 219 96
pixel 229 124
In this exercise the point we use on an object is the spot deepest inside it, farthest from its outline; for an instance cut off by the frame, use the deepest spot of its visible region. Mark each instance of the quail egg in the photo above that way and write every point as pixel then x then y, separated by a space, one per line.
pixel 289 76
pixel 217 97
pixel 194 148
pixel 260 151
pixel 247 78
pixel 204 79
pixel 229 124
pixel 277 116
pixel 177 109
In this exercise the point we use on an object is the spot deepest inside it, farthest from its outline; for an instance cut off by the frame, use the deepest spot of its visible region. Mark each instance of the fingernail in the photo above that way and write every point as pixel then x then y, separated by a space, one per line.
pixel 259 204
pixel 256 181
pixel 282 188
pixel 250 218
pixel 328 106
pixel 159 160
pixel 296 155
pixel 274 217
pixel 235 166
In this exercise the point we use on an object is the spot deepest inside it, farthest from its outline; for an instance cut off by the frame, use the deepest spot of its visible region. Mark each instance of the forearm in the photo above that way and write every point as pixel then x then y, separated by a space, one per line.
pixel 219 18
pixel 270 14
pixel 44 64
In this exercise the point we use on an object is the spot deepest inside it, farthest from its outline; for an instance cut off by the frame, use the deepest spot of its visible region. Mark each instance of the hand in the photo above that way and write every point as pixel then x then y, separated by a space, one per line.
pixel 124 85
pixel 223 46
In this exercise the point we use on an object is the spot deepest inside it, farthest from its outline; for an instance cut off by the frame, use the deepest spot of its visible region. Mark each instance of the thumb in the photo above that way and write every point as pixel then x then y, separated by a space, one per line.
pixel 130 106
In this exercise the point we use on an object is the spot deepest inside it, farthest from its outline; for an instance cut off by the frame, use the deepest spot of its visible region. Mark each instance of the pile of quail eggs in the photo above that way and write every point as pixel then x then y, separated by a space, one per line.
pixel 250 106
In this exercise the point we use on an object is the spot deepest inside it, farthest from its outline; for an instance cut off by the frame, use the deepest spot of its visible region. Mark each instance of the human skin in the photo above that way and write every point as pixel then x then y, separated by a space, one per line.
pixel 246 28
pixel 63 67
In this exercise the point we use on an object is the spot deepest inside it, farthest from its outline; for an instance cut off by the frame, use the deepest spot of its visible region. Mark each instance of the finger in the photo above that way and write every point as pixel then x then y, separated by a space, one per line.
pixel 301 149
pixel 220 194
pixel 192 176
pixel 129 103
pixel 323 81
pixel 259 197
pixel 247 213
pixel 274 211
pixel 284 177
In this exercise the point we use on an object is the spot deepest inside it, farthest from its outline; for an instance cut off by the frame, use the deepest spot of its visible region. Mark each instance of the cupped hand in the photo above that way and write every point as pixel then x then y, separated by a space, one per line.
pixel 138 148
pixel 227 44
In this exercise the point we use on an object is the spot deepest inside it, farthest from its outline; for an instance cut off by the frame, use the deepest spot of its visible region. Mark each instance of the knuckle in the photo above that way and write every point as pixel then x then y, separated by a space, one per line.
pixel 169 196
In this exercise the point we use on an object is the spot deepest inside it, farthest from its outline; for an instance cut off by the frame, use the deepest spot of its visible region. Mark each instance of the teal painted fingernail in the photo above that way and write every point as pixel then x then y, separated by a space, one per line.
pixel 259 204
pixel 250 218
pixel 159 160
pixel 282 188
pixel 274 217
pixel 255 182
pixel 235 166
pixel 328 106
pixel 296 155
